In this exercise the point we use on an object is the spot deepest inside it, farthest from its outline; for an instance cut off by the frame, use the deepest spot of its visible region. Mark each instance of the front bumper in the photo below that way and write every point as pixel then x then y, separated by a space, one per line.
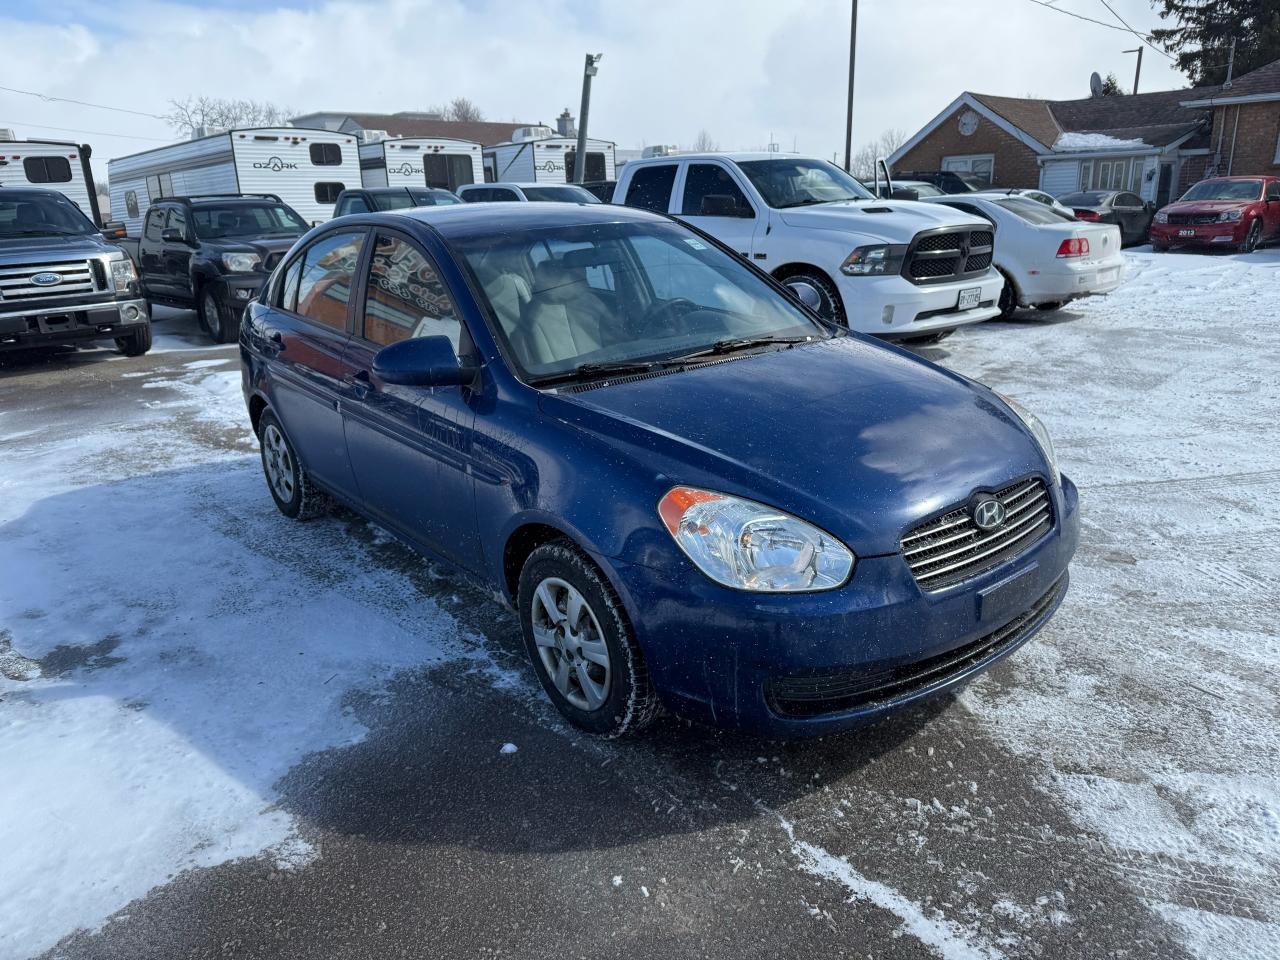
pixel 893 306
pixel 1200 234
pixel 47 324
pixel 721 656
pixel 237 289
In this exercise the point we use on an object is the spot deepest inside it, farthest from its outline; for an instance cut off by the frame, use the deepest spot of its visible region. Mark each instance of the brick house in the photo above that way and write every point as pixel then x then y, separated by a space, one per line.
pixel 1154 144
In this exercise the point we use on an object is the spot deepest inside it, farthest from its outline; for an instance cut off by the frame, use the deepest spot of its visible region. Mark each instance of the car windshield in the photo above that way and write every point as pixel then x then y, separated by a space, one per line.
pixel 246 220
pixel 395 200
pixel 624 294
pixel 41 215
pixel 568 193
pixel 1225 190
pixel 1033 212
pixel 1094 199
pixel 798 182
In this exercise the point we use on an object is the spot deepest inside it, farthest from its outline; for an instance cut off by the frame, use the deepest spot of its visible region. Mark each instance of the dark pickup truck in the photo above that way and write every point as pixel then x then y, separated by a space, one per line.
pixel 212 253
pixel 61 281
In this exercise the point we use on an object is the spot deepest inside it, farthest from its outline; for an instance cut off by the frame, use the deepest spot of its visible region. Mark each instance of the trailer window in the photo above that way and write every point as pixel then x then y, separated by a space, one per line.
pixel 446 171
pixel 47 169
pixel 327 192
pixel 326 154
pixel 595 166
pixel 328 271
pixel 650 187
pixel 131 203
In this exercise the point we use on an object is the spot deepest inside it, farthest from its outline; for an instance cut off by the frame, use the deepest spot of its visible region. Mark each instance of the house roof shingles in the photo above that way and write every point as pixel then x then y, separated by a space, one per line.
pixel 1030 116
pixel 484 133
pixel 1262 81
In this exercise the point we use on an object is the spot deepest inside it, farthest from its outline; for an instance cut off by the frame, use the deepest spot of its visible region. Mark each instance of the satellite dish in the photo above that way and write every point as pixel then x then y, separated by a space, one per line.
pixel 1095 84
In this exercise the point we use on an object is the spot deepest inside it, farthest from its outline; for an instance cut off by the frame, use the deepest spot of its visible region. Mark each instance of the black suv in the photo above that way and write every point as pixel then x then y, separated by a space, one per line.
pixel 213 253
pixel 375 199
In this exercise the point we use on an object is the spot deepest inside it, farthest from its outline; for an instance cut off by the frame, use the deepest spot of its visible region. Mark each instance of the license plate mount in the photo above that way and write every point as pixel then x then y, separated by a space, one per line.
pixel 1186 233
pixel 969 298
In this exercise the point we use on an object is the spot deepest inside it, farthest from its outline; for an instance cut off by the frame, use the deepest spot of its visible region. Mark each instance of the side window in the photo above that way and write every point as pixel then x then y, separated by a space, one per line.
pixel 328 269
pixel 352 203
pixel 405 297
pixel 1273 190
pixel 327 192
pixel 177 220
pixel 131 203
pixel 650 187
pixel 1128 200
pixel 155 223
pixel 326 154
pixel 287 295
pixel 709 191
pixel 47 169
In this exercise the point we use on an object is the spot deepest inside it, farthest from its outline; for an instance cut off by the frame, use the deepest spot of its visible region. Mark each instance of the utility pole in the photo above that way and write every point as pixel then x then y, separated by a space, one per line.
pixel 580 159
pixel 1137 74
pixel 848 119
pixel 1231 63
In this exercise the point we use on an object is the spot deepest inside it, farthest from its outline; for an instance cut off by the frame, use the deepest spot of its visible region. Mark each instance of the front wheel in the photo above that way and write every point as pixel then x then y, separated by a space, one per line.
pixel 214 318
pixel 821 291
pixel 1252 238
pixel 136 343
pixel 581 645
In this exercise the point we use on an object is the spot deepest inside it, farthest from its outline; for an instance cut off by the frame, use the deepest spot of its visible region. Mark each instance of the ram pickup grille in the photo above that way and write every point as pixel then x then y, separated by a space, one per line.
pixel 949 255
pixel 951 548
pixel 77 276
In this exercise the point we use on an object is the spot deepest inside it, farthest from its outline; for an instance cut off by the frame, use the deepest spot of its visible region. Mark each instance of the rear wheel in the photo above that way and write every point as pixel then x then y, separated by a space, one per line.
pixel 291 488
pixel 214 318
pixel 582 647
pixel 1252 238
pixel 1008 298
pixel 137 343
pixel 823 291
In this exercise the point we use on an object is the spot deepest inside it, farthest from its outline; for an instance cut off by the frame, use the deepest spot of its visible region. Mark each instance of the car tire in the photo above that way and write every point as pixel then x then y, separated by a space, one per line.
pixel 1253 238
pixel 593 669
pixel 296 496
pixel 831 307
pixel 214 318
pixel 1159 248
pixel 1008 302
pixel 1050 305
pixel 136 343
pixel 937 336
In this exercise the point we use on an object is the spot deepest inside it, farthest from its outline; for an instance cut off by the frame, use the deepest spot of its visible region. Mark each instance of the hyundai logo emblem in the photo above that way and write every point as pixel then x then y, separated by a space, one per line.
pixel 988 513
pixel 46 279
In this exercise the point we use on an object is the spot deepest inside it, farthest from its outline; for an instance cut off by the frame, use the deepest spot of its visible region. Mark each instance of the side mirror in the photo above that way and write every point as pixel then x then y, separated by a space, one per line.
pixel 422 362
pixel 172 235
pixel 904 193
pixel 114 230
pixel 722 205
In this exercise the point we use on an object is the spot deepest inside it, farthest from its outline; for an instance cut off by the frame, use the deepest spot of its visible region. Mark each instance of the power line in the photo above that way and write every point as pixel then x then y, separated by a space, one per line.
pixel 1146 39
pixel 48 98
pixel 1101 23
pixel 94 133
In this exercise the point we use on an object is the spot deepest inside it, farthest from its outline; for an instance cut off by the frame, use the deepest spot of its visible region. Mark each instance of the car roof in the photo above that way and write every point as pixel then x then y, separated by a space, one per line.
pixel 522 184
pixel 735 156
pixel 460 221
pixel 30 191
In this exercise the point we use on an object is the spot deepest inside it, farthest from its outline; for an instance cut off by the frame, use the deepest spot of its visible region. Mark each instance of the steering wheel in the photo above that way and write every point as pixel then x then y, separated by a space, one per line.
pixel 668 310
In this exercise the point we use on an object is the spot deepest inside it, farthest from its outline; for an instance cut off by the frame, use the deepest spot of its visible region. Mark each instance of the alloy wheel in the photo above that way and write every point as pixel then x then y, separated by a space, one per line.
pixel 571 644
pixel 212 322
pixel 278 462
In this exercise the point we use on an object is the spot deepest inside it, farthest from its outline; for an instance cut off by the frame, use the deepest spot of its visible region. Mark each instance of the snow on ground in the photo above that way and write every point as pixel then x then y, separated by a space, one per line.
pixel 1159 732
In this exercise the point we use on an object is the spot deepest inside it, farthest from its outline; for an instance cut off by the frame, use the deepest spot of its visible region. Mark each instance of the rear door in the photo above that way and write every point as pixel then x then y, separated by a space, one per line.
pixel 1133 217
pixel 410 446
pixel 309 338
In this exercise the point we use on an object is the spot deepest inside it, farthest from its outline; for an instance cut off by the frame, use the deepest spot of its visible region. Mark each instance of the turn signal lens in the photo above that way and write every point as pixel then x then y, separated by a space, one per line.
pixel 749 546
pixel 1075 247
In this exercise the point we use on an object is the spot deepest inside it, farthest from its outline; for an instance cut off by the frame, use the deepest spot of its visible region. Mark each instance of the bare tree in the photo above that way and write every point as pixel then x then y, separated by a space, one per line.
pixel 463 109
pixel 865 157
pixel 704 144
pixel 219 113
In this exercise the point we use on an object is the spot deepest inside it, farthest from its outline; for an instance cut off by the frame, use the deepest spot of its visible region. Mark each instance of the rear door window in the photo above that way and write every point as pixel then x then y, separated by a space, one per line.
pixel 287 296
pixel 650 187
pixel 328 269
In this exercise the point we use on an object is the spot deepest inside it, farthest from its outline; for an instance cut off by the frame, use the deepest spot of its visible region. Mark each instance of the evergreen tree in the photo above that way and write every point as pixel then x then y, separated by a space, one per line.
pixel 1111 86
pixel 1204 31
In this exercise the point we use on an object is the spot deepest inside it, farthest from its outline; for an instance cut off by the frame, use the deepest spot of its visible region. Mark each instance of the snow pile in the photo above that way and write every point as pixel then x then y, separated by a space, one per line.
pixel 1074 141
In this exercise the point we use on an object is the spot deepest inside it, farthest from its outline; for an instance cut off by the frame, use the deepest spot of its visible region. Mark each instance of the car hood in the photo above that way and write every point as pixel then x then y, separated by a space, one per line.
pixel 896 221
pixel 861 439
pixel 85 245
pixel 1206 206
pixel 263 246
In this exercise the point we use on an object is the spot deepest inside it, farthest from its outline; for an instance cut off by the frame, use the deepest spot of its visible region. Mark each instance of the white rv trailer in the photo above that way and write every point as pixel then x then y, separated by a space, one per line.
pixel 414 161
pixel 305 168
pixel 55 164
pixel 535 155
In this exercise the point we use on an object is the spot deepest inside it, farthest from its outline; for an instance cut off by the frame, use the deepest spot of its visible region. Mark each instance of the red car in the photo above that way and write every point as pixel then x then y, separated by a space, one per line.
pixel 1240 212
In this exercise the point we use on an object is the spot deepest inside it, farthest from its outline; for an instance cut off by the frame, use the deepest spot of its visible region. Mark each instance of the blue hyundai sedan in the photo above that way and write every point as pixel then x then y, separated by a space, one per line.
pixel 696 494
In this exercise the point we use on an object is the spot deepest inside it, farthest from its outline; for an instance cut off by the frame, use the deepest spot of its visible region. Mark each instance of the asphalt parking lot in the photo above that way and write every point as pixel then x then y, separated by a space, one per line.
pixel 227 734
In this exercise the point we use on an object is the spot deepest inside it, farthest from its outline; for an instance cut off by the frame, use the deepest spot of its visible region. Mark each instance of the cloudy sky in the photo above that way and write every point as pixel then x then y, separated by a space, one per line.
pixel 747 71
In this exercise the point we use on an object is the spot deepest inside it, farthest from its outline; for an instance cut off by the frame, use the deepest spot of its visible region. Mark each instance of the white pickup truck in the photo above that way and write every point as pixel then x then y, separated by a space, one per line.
pixel 894 268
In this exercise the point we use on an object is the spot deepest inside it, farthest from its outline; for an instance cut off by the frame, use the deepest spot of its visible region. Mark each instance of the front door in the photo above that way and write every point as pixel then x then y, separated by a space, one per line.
pixel 709 197
pixel 309 334
pixel 177 257
pixel 409 446
pixel 151 266
pixel 1165 186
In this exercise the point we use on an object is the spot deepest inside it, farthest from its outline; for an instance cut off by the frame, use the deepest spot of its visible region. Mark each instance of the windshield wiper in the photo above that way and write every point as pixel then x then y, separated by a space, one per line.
pixel 739 343
pixel 598 368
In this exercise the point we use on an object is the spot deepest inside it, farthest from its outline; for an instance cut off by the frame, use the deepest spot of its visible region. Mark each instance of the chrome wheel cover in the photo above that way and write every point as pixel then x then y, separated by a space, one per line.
pixel 278 462
pixel 570 644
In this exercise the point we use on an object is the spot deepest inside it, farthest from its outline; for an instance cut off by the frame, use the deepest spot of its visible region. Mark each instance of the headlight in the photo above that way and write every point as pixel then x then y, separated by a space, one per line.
pixel 123 274
pixel 241 262
pixel 1162 217
pixel 1038 431
pixel 743 544
pixel 874 260
pixel 1230 216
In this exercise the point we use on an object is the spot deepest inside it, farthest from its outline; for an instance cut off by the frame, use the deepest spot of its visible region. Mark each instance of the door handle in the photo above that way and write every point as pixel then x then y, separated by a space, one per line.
pixel 275 343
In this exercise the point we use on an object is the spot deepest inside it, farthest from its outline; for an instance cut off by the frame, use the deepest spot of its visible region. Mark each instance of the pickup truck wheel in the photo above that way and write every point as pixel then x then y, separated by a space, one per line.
pixel 137 343
pixel 291 488
pixel 581 645
pixel 830 306
pixel 214 319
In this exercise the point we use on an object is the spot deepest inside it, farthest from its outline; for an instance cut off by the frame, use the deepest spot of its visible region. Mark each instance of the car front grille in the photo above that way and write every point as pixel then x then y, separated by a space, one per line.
pixel 816 694
pixel 1188 219
pixel 77 276
pixel 948 255
pixel 951 548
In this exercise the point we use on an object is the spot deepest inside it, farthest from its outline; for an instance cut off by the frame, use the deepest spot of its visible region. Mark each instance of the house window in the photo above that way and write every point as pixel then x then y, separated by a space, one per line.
pixel 981 166
pixel 1124 173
